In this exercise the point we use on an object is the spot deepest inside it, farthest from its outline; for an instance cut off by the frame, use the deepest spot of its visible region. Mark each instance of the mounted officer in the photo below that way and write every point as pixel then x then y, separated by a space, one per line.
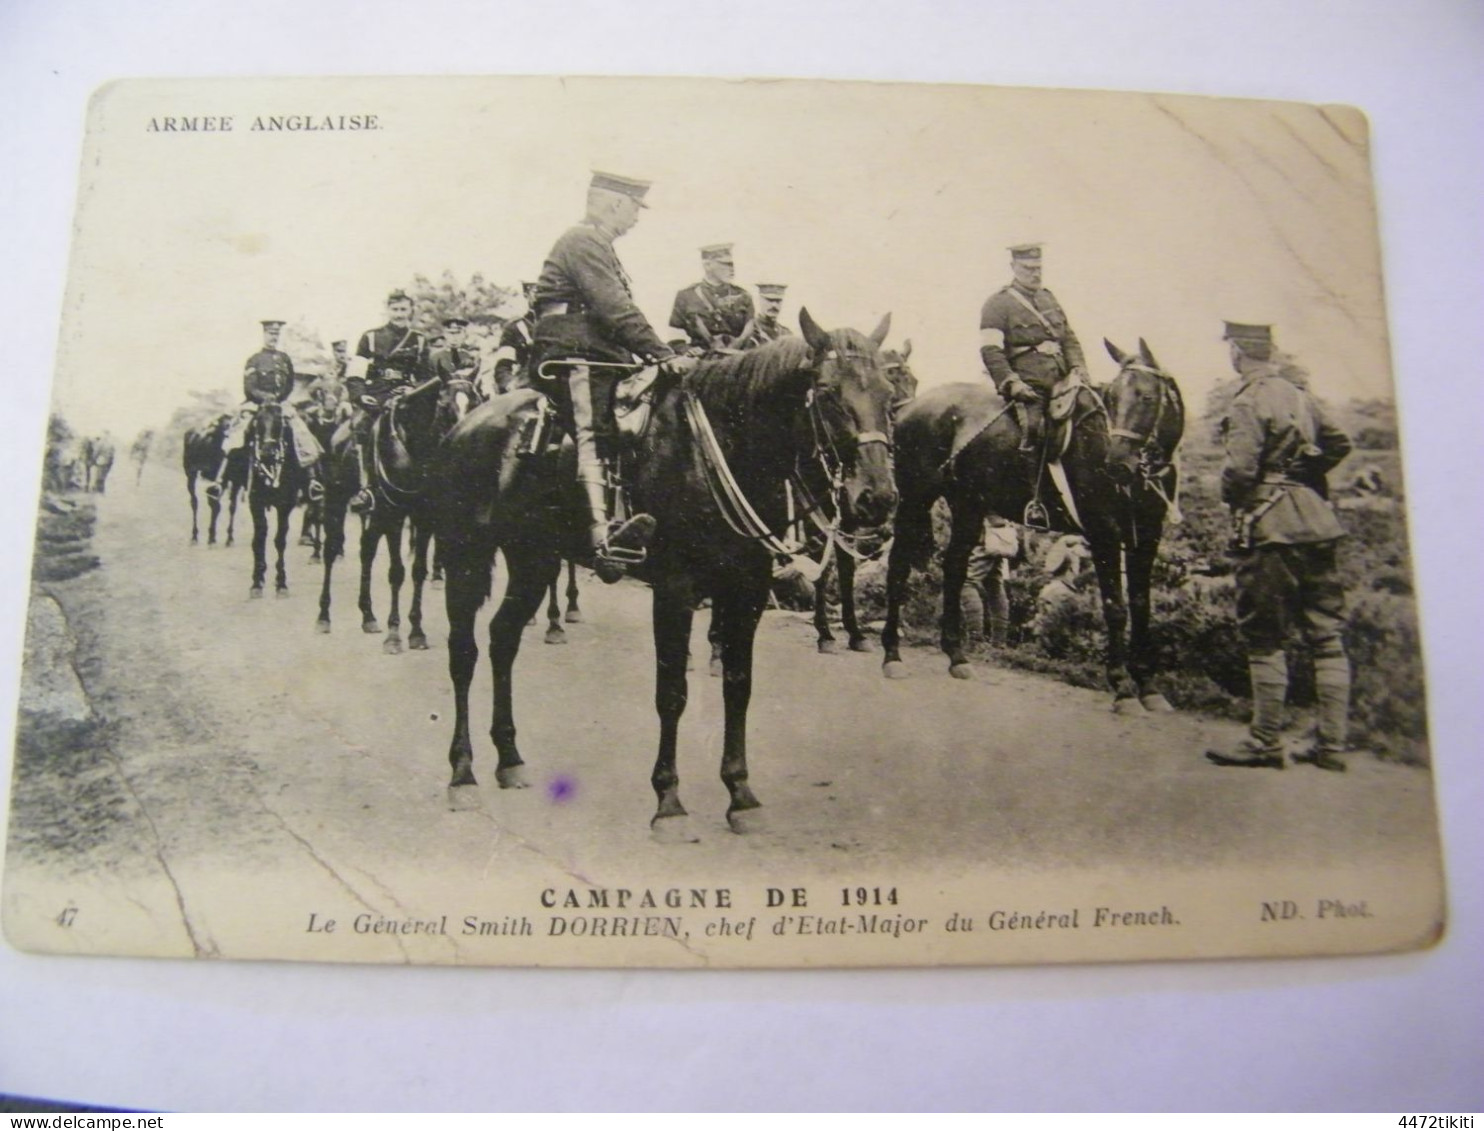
pixel 1280 447
pixel 715 313
pixel 765 327
pixel 268 378
pixel 513 354
pixel 457 360
pixel 391 357
pixel 586 317
pixel 1028 347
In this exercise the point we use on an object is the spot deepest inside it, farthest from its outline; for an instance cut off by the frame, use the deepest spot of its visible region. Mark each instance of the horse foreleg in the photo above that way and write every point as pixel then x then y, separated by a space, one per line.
pixel 1139 564
pixel 191 491
pixel 396 574
pixel 857 638
pixel 826 638
pixel 741 610
pixel 530 574
pixel 468 585
pixel 259 512
pixel 334 540
pixel 370 535
pixel 280 544
pixel 555 634
pixel 913 525
pixel 231 514
pixel 1107 558
pixel 417 640
pixel 574 614
pixel 673 612
pixel 968 523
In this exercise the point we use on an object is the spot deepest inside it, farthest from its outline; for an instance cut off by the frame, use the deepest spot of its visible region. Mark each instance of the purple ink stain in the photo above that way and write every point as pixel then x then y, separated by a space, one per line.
pixel 561 788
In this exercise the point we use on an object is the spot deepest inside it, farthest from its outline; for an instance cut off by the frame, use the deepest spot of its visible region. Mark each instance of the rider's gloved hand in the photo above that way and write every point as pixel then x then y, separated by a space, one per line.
pixel 1015 389
pixel 678 365
pixel 370 402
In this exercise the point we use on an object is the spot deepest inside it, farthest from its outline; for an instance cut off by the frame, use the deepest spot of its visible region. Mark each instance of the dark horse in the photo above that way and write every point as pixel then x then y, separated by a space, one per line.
pixel 406 434
pixel 727 435
pixel 275 481
pixel 958 443
pixel 841 559
pixel 202 458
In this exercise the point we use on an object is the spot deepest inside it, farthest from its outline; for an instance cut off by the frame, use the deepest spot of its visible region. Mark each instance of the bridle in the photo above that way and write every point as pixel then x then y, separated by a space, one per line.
pixel 1155 467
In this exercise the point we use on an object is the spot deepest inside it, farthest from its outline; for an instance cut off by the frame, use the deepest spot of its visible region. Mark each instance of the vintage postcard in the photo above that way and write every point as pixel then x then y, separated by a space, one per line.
pixel 598 522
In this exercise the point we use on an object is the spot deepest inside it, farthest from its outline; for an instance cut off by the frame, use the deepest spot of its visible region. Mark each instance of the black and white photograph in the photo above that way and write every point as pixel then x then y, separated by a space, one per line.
pixel 449 480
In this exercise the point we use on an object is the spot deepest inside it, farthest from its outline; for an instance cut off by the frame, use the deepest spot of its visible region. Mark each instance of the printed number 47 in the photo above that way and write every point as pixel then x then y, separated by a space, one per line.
pixel 68 915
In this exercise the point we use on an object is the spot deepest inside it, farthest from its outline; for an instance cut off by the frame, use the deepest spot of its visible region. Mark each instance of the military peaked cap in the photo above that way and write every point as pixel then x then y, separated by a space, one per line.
pixel 398 295
pixel 771 290
pixel 626 186
pixel 455 323
pixel 1030 252
pixel 717 251
pixel 1247 332
pixel 272 323
pixel 341 342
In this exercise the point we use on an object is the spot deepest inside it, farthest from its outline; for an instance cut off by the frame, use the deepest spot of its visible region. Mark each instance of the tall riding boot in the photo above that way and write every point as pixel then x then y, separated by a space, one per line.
pixel 1332 681
pixel 614 547
pixel 365 499
pixel 1261 749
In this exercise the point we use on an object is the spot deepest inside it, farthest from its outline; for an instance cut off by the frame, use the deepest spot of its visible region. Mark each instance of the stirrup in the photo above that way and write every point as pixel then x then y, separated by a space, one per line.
pixel 316 491
pixel 1036 516
pixel 624 546
pixel 364 502
pixel 213 490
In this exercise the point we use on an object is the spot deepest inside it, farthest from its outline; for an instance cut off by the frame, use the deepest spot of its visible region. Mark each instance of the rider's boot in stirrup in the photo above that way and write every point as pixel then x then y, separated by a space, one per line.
pixel 615 545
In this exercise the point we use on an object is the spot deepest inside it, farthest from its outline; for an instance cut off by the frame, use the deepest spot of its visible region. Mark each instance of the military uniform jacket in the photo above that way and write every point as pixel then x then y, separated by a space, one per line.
pixel 268 377
pixel 1279 446
pixel 601 319
pixel 1038 346
pixel 397 357
pixel 456 362
pixel 712 316
pixel 762 333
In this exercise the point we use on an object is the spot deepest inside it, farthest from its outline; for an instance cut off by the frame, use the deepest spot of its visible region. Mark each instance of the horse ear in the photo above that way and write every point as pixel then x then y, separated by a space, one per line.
pixel 1114 352
pixel 819 340
pixel 906 350
pixel 878 335
pixel 1147 355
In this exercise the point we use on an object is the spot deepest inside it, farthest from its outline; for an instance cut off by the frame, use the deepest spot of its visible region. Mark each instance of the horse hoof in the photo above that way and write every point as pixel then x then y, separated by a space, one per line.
pixel 895 669
pixel 370 627
pixel 1157 703
pixel 306 540
pixel 436 583
pixel 828 648
pixel 464 798
pixel 511 777
pixel 417 642
pixel 392 645
pixel 555 635
pixel 961 671
pixel 745 821
pixel 574 616
pixel 255 593
pixel 281 591
pixel 322 627
pixel 1128 705
pixel 717 669
pixel 672 830
pixel 862 646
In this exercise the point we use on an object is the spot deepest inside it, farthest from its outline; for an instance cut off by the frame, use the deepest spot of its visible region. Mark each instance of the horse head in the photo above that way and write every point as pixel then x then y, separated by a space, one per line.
pixel 850 412
pixel 1146 415
pixel 458 398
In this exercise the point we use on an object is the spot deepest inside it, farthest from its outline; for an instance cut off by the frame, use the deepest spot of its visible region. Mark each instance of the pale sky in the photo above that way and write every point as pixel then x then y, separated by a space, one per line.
pixel 1161 216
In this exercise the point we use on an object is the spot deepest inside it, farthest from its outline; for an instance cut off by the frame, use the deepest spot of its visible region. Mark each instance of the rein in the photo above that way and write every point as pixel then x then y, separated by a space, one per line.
pixel 398 495
pixel 739 513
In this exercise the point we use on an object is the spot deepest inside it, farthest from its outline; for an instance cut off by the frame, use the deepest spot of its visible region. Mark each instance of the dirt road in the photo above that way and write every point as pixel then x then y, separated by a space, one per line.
pixel 241 754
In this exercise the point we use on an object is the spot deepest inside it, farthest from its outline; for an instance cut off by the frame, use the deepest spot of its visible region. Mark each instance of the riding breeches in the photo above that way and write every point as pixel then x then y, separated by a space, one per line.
pixel 1282 586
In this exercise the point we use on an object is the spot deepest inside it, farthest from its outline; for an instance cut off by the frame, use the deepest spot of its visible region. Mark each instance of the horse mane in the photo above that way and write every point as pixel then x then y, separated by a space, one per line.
pixel 741 384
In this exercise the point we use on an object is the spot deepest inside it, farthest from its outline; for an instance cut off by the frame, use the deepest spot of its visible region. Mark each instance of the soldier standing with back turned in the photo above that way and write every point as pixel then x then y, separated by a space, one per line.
pixel 1279 448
